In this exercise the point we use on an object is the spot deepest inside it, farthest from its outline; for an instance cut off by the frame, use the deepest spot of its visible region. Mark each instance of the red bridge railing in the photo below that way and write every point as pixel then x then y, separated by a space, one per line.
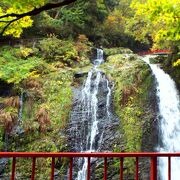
pixel 157 51
pixel 153 161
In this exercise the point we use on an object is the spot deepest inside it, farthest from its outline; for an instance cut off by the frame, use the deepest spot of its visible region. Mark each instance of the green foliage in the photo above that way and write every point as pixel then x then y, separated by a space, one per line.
pixel 58 96
pixel 157 19
pixel 14 69
pixel 46 106
pixel 56 99
pixel 54 49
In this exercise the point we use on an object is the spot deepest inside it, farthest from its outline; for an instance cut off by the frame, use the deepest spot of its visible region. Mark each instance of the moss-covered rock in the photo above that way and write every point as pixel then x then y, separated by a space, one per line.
pixel 132 88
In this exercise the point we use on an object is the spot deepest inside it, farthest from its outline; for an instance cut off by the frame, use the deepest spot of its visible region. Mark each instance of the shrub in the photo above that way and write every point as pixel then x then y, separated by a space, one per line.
pixel 82 45
pixel 24 52
pixel 54 49
pixel 43 119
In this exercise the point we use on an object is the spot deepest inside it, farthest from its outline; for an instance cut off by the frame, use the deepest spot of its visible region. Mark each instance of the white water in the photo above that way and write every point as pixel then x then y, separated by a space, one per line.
pixel 20 108
pixel 169 119
pixel 108 99
pixel 90 105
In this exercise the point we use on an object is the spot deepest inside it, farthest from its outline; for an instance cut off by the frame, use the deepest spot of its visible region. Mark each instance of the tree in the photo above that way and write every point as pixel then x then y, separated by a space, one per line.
pixel 156 20
pixel 16 15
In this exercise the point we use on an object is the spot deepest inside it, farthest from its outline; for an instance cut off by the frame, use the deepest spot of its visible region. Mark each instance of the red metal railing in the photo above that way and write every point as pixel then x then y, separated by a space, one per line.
pixel 153 163
pixel 154 52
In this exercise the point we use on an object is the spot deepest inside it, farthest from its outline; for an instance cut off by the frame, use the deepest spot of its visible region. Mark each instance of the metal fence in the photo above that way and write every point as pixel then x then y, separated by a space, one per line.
pixel 33 155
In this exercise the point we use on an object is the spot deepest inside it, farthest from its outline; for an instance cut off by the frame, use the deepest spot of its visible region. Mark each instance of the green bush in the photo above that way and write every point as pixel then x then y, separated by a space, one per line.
pixel 54 49
pixel 15 67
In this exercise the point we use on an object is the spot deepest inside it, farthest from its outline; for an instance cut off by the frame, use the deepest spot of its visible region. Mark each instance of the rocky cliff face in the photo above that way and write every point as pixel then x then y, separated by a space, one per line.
pixel 133 126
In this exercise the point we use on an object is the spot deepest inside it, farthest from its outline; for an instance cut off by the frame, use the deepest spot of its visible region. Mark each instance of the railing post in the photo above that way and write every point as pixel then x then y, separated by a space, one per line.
pixel 52 168
pixel 70 170
pixel 13 169
pixel 33 168
pixel 105 168
pixel 169 168
pixel 89 169
pixel 153 173
pixel 121 168
pixel 137 168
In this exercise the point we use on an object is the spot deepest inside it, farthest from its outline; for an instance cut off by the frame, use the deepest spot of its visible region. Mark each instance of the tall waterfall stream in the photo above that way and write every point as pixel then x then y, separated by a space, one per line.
pixel 92 121
pixel 169 120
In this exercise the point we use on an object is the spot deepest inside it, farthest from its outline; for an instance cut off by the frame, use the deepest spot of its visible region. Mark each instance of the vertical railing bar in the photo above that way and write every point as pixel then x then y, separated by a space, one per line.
pixel 33 168
pixel 137 168
pixel 169 168
pixel 105 168
pixel 71 167
pixel 121 168
pixel 52 168
pixel 89 169
pixel 153 168
pixel 13 169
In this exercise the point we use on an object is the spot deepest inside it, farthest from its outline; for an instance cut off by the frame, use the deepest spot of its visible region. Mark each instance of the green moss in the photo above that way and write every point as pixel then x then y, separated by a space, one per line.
pixel 58 95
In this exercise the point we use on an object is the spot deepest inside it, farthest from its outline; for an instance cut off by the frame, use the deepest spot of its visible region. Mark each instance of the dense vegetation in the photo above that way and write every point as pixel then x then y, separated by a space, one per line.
pixel 41 51
pixel 43 77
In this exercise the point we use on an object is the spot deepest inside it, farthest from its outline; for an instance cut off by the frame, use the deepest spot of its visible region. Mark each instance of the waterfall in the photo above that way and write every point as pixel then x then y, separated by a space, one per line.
pixel 100 57
pixel 20 107
pixel 169 120
pixel 91 135
pixel 108 98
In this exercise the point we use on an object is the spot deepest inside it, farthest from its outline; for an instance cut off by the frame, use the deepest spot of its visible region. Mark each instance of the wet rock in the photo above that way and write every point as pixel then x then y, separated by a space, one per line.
pixel 80 74
pixel 3 164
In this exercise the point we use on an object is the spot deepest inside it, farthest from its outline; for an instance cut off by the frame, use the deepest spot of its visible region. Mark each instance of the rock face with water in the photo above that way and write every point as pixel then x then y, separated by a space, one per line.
pixel 92 123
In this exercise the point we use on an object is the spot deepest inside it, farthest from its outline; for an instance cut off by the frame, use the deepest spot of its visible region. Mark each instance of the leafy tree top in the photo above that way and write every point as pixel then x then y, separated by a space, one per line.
pixel 16 15
pixel 159 20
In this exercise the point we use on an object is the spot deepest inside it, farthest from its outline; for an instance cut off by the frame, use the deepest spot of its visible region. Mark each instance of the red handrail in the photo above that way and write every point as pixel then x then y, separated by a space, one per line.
pixel 87 154
pixel 34 155
pixel 155 52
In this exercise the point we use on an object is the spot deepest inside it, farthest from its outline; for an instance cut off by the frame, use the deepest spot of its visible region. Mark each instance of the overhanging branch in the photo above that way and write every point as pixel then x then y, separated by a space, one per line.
pixel 33 12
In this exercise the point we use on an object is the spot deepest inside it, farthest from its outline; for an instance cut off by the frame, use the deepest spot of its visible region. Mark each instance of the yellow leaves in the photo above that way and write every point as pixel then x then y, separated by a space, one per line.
pixel 159 19
pixel 25 52
pixel 177 63
pixel 34 74
pixel 16 28
pixel 111 19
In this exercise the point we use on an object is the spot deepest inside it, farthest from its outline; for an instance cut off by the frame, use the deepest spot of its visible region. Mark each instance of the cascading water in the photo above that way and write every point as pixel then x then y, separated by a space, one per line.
pixel 90 103
pixel 169 119
pixel 91 115
pixel 20 107
pixel 108 99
